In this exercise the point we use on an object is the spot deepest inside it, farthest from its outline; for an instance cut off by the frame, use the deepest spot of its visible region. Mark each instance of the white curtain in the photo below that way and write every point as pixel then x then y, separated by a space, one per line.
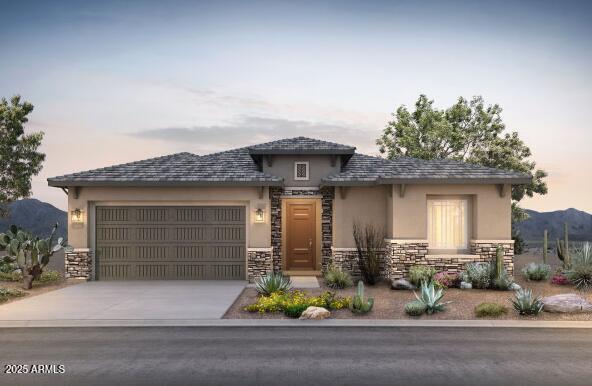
pixel 447 224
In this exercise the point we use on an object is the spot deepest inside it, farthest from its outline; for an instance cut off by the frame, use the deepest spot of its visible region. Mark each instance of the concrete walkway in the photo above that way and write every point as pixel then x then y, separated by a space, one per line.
pixel 130 301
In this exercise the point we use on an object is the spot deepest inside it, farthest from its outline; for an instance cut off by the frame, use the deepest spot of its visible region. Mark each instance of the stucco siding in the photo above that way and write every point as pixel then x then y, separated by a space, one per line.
pixel 490 213
pixel 363 204
pixel 319 167
pixel 258 234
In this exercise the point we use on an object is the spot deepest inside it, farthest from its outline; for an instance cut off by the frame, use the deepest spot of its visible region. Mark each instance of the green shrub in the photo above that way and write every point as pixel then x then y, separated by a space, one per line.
pixel 430 297
pixel 502 283
pixel 415 308
pixel 480 274
pixel 493 310
pixel 338 279
pixel 421 273
pixel 536 271
pixel 525 303
pixel 294 310
pixel 280 301
pixel 50 277
pixel 11 276
pixel 275 282
pixel 580 275
pixel 9 293
pixel 6 267
pixel 359 304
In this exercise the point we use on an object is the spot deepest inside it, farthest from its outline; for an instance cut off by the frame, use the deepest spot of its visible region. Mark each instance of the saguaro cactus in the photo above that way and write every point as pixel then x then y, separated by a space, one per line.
pixel 499 262
pixel 563 248
pixel 545 246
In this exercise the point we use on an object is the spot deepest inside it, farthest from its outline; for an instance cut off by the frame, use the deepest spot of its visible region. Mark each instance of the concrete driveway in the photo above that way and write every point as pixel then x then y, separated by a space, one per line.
pixel 132 300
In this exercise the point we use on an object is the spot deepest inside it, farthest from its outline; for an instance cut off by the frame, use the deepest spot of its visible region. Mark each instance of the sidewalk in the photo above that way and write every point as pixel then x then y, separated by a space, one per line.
pixel 291 323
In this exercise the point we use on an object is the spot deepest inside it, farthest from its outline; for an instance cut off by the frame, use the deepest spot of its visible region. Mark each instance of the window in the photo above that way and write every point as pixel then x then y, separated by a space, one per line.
pixel 448 223
pixel 301 171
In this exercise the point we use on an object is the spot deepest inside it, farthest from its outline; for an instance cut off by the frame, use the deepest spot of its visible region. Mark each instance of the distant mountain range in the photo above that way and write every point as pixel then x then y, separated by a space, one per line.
pixel 579 225
pixel 36 217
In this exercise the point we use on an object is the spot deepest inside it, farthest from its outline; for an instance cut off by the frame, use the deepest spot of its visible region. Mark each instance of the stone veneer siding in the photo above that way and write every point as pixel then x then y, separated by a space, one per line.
pixel 327 195
pixel 79 264
pixel 259 263
pixel 487 250
pixel 403 254
pixel 346 259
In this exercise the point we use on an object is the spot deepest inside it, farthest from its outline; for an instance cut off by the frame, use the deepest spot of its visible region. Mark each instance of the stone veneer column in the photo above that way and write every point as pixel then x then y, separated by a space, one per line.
pixel 327 196
pixel 259 263
pixel 276 227
pixel 487 250
pixel 78 264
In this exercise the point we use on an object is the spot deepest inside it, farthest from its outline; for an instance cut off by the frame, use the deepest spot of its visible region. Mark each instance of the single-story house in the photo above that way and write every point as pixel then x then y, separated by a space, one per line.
pixel 283 206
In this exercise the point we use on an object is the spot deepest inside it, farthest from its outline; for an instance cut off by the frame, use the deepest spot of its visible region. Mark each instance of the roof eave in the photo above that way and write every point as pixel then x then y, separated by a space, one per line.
pixel 483 181
pixel 446 181
pixel 65 184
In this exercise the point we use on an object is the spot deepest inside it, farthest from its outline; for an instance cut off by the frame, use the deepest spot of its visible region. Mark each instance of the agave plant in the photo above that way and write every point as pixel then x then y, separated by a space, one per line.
pixel 30 253
pixel 525 303
pixel 275 282
pixel 430 296
pixel 580 273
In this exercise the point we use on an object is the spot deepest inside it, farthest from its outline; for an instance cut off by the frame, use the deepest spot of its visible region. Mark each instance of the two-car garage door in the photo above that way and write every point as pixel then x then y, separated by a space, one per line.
pixel 172 242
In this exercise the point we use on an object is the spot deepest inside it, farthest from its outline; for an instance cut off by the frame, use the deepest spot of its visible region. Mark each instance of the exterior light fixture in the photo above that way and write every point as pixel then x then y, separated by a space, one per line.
pixel 76 216
pixel 259 215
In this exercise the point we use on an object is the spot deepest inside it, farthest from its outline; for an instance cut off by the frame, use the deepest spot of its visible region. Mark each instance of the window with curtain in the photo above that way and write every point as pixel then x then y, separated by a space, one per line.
pixel 448 223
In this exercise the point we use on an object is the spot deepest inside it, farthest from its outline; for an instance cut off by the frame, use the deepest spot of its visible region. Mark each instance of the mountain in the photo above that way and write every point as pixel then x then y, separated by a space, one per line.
pixel 36 217
pixel 579 225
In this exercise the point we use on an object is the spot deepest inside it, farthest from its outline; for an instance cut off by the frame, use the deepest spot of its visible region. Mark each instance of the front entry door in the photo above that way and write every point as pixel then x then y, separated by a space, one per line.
pixel 301 236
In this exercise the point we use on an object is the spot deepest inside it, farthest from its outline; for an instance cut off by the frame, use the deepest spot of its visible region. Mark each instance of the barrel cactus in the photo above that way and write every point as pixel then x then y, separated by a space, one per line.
pixel 30 253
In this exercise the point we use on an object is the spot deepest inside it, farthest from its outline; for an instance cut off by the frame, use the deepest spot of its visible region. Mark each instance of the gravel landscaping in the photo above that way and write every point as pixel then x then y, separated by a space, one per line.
pixel 389 304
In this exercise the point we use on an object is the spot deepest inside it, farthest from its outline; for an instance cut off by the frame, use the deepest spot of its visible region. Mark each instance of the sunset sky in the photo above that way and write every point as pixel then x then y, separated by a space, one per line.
pixel 116 81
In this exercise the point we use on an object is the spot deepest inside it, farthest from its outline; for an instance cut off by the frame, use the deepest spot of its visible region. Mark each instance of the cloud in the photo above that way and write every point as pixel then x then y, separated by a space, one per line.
pixel 248 130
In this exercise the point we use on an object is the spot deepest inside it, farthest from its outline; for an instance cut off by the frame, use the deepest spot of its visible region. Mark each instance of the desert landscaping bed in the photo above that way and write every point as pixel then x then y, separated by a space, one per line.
pixel 389 304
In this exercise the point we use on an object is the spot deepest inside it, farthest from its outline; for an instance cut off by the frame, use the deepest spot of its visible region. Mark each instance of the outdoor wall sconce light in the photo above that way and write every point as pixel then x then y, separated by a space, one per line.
pixel 76 216
pixel 259 215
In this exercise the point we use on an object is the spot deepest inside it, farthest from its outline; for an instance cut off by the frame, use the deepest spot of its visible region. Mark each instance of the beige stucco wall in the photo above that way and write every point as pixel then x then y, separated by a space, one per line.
pixel 319 167
pixel 363 204
pixel 490 213
pixel 258 234
pixel 406 217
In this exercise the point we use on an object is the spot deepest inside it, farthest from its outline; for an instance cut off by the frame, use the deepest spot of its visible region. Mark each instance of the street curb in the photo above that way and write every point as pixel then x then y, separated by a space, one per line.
pixel 293 323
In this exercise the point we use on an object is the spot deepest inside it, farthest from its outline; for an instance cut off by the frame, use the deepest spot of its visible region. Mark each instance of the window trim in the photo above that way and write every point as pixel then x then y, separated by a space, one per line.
pixel 467 224
pixel 296 178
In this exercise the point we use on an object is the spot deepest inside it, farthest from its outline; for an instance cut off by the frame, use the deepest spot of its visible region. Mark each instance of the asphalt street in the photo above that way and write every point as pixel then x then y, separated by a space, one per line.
pixel 295 355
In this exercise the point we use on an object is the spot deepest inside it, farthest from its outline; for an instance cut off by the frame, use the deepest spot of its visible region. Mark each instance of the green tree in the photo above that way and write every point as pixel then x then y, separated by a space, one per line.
pixel 468 131
pixel 19 158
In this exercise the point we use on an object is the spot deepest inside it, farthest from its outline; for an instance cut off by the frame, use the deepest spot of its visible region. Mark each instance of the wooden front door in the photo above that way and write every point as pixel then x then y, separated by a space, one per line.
pixel 300 236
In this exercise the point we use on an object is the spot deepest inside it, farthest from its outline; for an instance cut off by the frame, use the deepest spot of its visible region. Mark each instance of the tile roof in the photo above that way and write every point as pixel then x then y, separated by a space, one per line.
pixel 301 145
pixel 365 169
pixel 225 168
pixel 237 167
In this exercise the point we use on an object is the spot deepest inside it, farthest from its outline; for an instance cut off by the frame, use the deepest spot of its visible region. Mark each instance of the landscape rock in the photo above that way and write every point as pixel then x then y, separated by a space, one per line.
pixel 315 313
pixel 566 303
pixel 401 284
pixel 465 285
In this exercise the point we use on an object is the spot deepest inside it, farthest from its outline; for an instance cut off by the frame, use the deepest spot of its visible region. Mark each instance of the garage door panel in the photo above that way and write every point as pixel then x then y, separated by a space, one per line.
pixel 152 243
